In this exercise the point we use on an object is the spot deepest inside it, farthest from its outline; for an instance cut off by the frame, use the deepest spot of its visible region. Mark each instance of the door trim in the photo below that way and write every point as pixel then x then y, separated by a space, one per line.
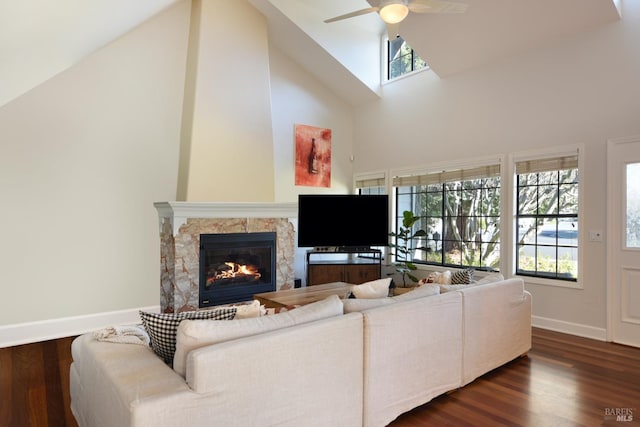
pixel 614 239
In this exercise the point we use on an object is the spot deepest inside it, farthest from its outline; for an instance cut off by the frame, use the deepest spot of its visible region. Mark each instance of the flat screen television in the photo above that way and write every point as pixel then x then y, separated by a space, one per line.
pixel 346 222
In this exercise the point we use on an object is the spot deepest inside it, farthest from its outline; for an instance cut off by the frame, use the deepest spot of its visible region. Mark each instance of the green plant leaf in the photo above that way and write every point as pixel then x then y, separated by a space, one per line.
pixel 408 219
pixel 403 252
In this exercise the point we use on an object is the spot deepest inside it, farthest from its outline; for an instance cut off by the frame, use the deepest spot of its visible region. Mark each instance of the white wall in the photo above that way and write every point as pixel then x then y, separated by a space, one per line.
pixel 298 98
pixel 227 145
pixel 82 159
pixel 579 91
pixel 40 39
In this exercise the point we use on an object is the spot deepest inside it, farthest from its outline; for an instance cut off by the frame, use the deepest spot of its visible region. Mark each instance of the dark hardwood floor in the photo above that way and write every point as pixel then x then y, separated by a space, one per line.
pixel 34 384
pixel 564 381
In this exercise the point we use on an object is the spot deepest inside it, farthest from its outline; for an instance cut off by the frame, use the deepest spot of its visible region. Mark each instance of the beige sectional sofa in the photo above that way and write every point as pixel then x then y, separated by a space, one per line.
pixel 362 368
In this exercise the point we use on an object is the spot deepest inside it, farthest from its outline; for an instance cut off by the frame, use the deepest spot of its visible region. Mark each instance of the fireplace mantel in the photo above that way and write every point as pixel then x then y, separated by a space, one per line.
pixel 179 212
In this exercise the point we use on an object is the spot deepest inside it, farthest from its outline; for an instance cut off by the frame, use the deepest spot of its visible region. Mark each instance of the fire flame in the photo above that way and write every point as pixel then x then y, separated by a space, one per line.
pixel 240 269
pixel 235 270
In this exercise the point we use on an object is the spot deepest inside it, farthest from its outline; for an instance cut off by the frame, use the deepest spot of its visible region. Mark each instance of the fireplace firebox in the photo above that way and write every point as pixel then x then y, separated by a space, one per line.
pixel 235 266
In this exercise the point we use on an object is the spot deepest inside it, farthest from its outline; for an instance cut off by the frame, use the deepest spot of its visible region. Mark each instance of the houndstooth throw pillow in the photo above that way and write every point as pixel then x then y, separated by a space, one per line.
pixel 462 277
pixel 162 327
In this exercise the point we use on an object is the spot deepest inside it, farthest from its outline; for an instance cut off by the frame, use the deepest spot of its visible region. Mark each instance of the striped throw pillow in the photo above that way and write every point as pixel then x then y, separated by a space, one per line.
pixel 462 277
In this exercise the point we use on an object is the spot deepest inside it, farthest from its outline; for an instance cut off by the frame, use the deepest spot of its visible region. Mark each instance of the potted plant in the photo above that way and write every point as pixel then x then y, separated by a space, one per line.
pixel 401 246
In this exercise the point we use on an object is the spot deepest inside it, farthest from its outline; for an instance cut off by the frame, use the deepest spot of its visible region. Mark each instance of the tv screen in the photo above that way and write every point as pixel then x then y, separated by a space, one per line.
pixel 343 221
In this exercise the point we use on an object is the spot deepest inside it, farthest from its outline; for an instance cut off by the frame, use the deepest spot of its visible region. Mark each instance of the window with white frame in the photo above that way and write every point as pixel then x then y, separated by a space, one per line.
pixel 371 184
pixel 546 217
pixel 401 59
pixel 460 213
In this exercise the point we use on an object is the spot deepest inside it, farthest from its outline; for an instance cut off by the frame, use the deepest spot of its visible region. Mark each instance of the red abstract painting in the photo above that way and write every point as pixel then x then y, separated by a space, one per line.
pixel 313 156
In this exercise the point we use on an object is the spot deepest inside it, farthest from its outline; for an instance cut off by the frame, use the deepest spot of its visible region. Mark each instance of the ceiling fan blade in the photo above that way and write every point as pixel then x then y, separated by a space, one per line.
pixel 437 6
pixel 352 14
pixel 393 30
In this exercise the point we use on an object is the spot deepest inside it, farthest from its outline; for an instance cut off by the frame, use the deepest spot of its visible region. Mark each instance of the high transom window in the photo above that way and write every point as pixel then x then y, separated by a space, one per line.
pixel 402 59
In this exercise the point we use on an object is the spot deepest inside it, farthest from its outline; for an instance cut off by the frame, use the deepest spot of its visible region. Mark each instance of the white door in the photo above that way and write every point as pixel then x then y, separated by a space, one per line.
pixel 623 248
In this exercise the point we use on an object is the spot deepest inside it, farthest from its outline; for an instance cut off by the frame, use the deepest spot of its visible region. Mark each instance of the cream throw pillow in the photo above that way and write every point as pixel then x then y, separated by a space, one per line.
pixel 246 311
pixel 443 278
pixel 351 305
pixel 374 289
pixel 196 334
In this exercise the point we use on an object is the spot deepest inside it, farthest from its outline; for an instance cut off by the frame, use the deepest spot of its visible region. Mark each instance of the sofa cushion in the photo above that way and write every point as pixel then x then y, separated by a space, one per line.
pixel 194 334
pixel 162 327
pixel 354 305
pixel 490 278
pixel 374 289
pixel 449 288
pixel 419 292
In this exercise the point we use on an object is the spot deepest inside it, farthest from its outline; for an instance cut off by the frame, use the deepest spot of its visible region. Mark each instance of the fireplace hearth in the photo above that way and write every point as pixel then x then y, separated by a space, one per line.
pixel 235 266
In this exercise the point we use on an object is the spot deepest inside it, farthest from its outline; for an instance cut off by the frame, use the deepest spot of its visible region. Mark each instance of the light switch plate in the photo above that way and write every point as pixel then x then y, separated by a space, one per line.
pixel 595 235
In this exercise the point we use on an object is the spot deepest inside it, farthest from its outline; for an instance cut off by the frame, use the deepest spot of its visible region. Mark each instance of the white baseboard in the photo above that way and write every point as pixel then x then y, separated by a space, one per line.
pixel 569 328
pixel 25 333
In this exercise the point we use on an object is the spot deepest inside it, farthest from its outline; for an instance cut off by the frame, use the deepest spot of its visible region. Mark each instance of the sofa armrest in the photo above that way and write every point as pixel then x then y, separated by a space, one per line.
pixel 108 380
pixel 497 326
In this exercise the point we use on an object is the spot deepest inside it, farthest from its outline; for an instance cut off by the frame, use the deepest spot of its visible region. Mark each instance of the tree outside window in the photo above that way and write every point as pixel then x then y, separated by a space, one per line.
pixel 460 212
pixel 402 59
pixel 633 206
pixel 547 218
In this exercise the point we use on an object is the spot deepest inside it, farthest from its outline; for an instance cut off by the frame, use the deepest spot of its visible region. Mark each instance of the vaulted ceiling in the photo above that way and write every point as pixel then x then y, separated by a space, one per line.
pixel 40 38
pixel 493 29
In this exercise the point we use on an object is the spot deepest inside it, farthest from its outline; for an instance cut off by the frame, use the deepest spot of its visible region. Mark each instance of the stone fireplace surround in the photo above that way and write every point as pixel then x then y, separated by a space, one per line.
pixel 182 223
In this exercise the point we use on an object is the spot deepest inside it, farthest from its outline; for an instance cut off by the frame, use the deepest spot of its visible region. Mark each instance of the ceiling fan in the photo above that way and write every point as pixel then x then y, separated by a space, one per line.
pixel 393 12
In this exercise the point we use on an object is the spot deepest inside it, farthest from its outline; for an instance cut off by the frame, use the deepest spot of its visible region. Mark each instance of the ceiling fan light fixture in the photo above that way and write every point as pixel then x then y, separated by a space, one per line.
pixel 394 13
